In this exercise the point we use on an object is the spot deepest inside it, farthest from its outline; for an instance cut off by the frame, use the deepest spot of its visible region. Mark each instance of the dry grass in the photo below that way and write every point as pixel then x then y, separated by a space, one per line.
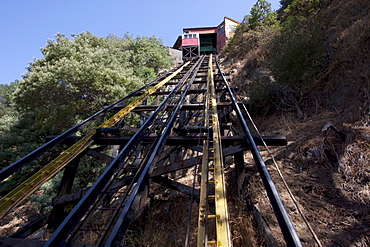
pixel 329 177
pixel 346 79
pixel 165 222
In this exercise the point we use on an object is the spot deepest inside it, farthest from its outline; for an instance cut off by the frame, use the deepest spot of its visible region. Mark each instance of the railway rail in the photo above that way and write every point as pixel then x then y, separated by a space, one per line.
pixel 186 110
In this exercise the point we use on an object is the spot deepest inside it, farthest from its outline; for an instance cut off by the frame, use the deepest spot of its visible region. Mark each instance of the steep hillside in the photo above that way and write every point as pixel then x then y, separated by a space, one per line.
pixel 309 79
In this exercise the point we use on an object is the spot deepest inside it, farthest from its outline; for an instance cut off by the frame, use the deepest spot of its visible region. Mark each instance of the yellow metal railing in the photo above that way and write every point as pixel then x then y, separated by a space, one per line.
pixel 212 164
pixel 16 196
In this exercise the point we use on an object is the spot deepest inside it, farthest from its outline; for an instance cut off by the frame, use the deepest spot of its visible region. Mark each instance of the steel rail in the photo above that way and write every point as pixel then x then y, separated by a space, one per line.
pixel 212 154
pixel 118 228
pixel 287 228
pixel 223 237
pixel 202 236
pixel 121 197
pixel 162 114
pixel 9 170
pixel 67 226
pixel 16 196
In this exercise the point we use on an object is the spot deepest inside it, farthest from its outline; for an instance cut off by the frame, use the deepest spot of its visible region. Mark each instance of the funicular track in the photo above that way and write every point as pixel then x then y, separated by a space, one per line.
pixel 186 110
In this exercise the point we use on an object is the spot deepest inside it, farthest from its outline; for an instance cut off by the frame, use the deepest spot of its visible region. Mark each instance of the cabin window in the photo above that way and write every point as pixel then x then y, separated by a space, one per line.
pixel 189 36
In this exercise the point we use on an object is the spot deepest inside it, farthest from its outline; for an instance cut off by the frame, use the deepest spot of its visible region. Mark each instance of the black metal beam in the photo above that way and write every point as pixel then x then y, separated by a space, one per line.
pixel 183 107
pixel 114 237
pixel 287 228
pixel 9 170
pixel 187 190
pixel 67 226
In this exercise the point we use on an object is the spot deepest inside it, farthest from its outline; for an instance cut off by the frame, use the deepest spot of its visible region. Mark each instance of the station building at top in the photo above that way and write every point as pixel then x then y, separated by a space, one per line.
pixel 205 40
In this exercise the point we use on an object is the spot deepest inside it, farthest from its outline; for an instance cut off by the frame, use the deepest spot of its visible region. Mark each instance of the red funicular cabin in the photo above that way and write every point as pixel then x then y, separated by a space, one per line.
pixel 205 40
pixel 190 45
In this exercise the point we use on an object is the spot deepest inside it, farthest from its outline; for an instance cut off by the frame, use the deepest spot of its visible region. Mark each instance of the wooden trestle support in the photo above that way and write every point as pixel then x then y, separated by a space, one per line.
pixel 190 114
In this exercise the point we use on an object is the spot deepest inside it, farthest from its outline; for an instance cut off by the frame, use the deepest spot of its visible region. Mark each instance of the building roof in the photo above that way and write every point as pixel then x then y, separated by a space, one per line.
pixel 193 28
pixel 177 44
pixel 231 20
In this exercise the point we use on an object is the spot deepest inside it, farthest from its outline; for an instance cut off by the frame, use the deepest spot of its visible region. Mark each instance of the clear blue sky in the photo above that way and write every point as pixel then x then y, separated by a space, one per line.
pixel 25 25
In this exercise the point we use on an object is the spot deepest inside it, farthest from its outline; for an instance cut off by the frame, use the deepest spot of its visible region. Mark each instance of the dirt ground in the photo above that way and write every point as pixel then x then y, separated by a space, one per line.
pixel 328 174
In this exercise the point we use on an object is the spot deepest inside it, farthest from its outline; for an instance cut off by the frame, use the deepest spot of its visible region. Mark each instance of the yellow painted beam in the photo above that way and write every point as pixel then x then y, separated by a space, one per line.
pixel 203 187
pixel 222 221
pixel 16 196
pixel 221 213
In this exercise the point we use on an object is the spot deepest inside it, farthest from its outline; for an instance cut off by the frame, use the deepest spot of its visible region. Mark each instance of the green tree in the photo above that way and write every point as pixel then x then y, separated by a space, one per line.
pixel 261 15
pixel 284 5
pixel 295 11
pixel 296 54
pixel 146 55
pixel 17 136
pixel 6 91
pixel 78 76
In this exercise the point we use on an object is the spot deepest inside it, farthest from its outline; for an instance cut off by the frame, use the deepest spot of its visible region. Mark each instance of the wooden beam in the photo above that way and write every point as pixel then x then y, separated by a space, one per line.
pixel 76 196
pixel 69 198
pixel 183 164
pixel 59 212
pixel 240 172
pixel 193 141
pixel 129 128
pixel 100 156
pixel 175 185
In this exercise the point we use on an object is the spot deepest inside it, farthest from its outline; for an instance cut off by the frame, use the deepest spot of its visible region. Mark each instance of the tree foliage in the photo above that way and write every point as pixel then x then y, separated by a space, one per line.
pixel 261 15
pixel 292 54
pixel 284 5
pixel 6 91
pixel 74 78
pixel 78 76
pixel 17 135
pixel 296 55
pixel 294 11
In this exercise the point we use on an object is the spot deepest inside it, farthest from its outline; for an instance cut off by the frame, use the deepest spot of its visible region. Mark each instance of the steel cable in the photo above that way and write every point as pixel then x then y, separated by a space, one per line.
pixel 192 193
pixel 282 178
pixel 279 172
pixel 289 233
